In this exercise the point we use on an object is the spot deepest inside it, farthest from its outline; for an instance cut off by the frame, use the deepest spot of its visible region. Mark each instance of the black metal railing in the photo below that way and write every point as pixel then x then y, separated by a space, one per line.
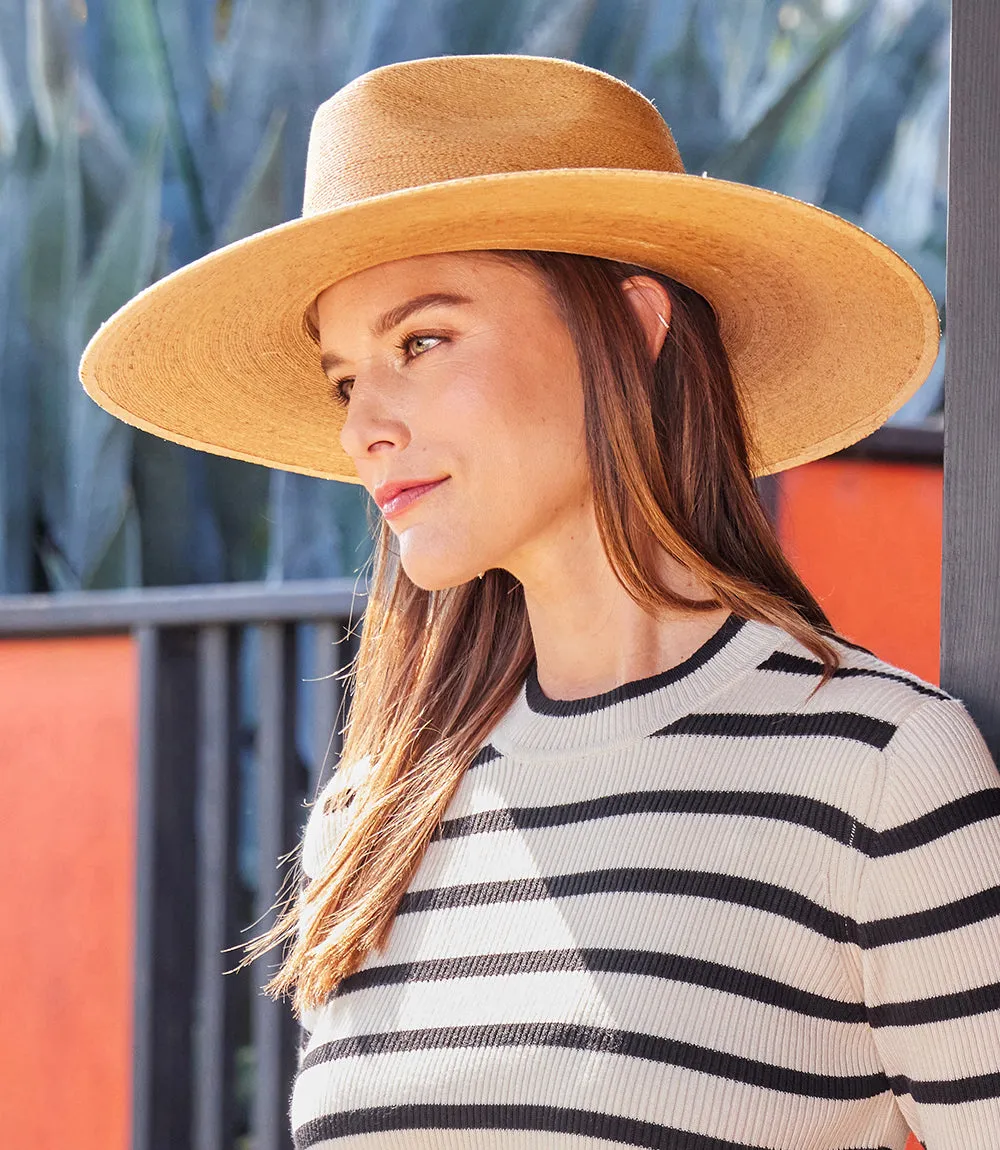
pixel 241 703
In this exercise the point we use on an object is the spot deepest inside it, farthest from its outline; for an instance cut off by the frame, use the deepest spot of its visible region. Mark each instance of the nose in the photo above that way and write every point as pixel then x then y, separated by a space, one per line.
pixel 374 422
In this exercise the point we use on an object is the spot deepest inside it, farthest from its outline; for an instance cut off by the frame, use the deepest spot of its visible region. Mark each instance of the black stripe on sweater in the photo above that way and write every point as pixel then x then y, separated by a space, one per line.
pixel 939 1008
pixel 509 1116
pixel 643 963
pixel 824 724
pixel 600 1039
pixel 799 810
pixel 796 665
pixel 953 816
pixel 938 920
pixel 648 880
pixel 949 1091
pixel 733 889
pixel 485 755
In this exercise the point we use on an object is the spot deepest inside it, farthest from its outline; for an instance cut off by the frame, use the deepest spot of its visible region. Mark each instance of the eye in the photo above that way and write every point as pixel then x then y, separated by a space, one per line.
pixel 342 390
pixel 418 343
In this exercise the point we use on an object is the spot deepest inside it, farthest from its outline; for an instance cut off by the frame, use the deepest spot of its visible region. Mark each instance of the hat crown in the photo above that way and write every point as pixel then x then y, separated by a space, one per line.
pixel 452 117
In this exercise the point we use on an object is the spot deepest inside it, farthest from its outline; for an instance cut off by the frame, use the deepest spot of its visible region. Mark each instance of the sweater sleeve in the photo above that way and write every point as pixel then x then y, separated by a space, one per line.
pixel 929 928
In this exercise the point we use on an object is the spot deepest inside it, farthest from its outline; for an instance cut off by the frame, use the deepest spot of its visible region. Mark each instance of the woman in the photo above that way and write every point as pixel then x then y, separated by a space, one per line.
pixel 626 844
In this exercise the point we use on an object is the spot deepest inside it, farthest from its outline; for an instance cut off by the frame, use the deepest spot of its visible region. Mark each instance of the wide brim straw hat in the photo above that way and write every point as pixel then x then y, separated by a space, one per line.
pixel 828 330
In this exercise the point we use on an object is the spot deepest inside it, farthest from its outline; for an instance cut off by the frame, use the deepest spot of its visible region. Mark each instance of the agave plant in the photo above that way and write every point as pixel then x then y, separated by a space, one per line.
pixel 137 135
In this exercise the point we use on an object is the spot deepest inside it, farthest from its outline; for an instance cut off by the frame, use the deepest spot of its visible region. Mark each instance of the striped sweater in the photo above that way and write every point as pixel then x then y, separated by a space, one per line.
pixel 700 911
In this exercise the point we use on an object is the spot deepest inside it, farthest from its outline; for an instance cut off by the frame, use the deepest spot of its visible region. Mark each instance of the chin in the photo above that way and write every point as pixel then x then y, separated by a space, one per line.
pixel 435 572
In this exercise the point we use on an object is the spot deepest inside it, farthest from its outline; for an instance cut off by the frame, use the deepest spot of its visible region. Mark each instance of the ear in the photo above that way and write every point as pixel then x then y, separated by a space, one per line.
pixel 649 301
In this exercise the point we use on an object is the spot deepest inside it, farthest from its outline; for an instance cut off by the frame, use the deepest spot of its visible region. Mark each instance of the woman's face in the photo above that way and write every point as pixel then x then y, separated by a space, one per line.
pixel 459 371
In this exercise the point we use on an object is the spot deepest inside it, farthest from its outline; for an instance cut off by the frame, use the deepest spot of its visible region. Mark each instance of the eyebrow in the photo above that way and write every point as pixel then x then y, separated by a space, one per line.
pixel 395 316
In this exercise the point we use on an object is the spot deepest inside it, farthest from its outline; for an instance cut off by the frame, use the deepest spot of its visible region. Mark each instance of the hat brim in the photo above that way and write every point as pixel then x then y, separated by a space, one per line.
pixel 828 330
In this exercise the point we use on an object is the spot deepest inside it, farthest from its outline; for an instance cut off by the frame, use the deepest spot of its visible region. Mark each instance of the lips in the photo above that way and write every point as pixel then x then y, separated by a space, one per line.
pixel 393 498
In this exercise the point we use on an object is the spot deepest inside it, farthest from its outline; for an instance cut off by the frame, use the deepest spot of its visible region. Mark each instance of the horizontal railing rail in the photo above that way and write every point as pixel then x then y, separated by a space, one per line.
pixel 83 612
pixel 896 444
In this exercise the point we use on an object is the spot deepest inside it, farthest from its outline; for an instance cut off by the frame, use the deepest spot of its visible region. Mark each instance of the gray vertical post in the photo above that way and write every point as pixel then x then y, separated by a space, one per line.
pixel 279 793
pixel 329 650
pixel 143 1038
pixel 165 889
pixel 216 861
pixel 970 615
pixel 769 494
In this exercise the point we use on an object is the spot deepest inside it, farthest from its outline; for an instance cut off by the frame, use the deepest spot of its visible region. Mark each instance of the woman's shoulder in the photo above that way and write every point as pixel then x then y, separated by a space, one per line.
pixel 863 681
pixel 329 816
pixel 925 731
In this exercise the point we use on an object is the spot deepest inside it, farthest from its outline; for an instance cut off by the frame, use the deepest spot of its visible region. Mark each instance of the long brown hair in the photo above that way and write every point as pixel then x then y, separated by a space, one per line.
pixel 671 468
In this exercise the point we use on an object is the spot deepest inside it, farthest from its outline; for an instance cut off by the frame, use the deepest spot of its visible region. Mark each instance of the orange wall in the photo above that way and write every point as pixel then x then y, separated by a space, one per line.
pixel 866 539
pixel 67 786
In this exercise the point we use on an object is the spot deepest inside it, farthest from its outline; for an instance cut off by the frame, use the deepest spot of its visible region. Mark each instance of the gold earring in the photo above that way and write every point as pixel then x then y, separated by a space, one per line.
pixel 663 321
pixel 481 574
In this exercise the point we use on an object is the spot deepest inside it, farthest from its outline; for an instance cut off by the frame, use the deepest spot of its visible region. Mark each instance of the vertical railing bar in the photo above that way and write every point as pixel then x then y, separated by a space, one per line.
pixel 211 1079
pixel 235 986
pixel 769 494
pixel 267 1042
pixel 326 687
pixel 143 1046
pixel 176 886
pixel 274 1030
pixel 348 653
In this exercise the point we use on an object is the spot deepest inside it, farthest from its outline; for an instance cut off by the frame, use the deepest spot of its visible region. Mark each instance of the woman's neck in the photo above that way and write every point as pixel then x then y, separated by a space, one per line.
pixel 590 635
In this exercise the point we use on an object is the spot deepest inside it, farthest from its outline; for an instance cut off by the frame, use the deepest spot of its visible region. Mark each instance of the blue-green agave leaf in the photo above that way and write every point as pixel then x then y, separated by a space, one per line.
pixel 906 208
pixel 17 360
pixel 560 29
pixel 48 285
pixel 259 204
pixel 99 446
pixel 744 159
pixel 50 65
pixel 8 110
pixel 319 527
pixel 882 95
pixel 105 160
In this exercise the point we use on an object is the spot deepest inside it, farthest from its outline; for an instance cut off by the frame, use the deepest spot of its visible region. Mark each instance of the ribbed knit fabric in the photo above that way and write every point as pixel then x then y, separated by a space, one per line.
pixel 699 912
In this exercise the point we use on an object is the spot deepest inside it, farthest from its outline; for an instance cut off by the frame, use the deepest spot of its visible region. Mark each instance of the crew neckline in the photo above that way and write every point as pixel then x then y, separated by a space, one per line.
pixel 541 704
pixel 538 725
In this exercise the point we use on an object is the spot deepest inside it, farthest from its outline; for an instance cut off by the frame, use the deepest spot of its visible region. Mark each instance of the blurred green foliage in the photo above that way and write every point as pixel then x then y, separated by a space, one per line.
pixel 137 135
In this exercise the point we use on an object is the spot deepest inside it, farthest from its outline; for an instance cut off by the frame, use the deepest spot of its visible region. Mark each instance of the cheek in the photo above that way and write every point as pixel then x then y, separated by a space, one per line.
pixel 523 429
pixel 543 411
